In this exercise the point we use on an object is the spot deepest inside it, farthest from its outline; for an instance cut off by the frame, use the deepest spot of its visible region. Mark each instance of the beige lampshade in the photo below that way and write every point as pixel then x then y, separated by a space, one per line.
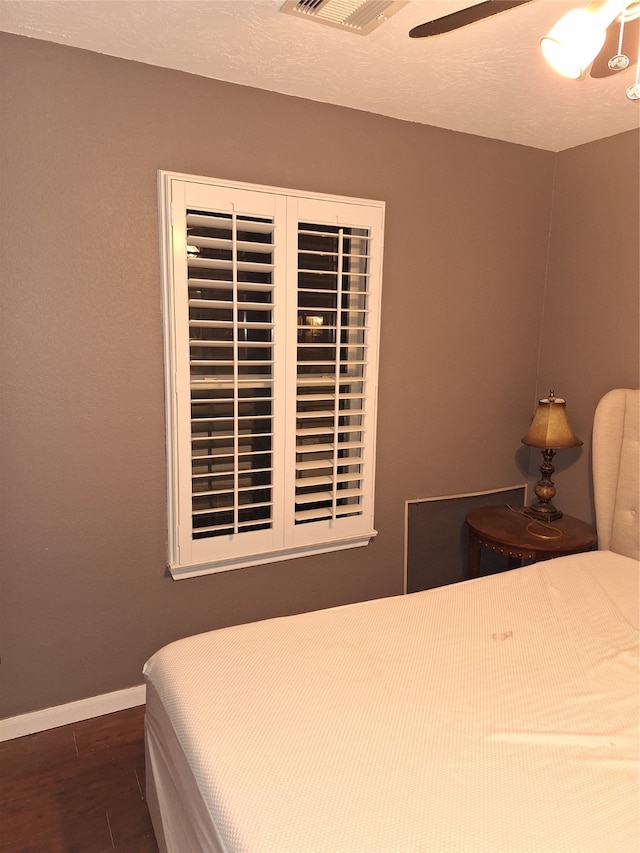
pixel 550 427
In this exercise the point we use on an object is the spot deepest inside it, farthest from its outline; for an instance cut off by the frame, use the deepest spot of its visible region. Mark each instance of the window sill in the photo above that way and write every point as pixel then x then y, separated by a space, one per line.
pixel 179 572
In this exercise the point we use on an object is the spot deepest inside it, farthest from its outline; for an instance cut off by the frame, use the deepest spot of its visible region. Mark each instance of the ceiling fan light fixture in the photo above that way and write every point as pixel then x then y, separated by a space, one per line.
pixel 574 42
pixel 631 11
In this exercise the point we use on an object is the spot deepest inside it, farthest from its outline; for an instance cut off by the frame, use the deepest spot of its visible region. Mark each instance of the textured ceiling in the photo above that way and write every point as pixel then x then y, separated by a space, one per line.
pixel 487 79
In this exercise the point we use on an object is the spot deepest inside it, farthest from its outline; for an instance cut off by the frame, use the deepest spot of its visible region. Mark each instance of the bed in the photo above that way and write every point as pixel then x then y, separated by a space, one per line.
pixel 498 714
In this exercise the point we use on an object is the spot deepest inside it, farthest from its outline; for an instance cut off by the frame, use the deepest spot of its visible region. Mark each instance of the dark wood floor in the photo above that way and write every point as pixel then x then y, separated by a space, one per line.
pixel 76 789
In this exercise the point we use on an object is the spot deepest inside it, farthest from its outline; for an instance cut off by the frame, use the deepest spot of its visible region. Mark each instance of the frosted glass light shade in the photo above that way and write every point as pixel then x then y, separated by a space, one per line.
pixel 574 42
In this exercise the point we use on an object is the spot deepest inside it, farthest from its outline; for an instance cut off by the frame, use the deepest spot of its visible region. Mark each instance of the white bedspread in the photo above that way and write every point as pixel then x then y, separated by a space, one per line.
pixel 497 715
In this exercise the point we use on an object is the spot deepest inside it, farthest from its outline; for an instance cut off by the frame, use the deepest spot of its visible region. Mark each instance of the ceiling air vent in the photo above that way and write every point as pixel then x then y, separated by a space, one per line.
pixel 355 16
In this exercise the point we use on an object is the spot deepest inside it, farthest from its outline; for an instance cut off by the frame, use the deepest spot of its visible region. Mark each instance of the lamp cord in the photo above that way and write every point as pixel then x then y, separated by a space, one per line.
pixel 557 533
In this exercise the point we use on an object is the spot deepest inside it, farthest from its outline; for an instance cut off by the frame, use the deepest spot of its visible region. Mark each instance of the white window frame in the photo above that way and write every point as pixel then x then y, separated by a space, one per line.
pixel 285 538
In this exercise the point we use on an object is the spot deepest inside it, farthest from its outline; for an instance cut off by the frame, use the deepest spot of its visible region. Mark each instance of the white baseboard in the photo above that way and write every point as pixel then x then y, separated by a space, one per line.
pixel 72 712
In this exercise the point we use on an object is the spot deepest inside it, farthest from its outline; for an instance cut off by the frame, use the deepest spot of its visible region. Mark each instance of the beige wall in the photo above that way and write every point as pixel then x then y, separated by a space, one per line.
pixel 85 594
pixel 591 331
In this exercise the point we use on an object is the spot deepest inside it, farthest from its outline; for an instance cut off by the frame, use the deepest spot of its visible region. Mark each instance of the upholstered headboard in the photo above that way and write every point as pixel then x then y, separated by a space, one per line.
pixel 616 471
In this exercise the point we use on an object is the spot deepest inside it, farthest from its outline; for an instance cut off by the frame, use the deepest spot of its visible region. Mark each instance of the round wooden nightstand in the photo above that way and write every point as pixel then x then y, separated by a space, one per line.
pixel 512 533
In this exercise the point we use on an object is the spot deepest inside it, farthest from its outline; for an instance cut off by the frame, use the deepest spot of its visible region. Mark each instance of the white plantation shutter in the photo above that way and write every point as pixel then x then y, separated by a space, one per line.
pixel 229 260
pixel 337 306
pixel 271 308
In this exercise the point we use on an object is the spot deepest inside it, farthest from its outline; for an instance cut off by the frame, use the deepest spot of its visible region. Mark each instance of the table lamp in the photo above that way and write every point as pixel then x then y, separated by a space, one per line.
pixel 550 431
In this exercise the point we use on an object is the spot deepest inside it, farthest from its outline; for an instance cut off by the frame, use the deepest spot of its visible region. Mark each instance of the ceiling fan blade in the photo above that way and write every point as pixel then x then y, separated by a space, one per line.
pixel 463 17
pixel 630 42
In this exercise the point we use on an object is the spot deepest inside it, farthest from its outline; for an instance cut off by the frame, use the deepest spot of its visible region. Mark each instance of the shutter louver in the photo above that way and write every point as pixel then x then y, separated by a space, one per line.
pixel 230 299
pixel 333 288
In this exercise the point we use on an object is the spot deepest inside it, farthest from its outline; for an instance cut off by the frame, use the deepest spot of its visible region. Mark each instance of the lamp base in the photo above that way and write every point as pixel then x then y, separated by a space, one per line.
pixel 543 512
pixel 543 508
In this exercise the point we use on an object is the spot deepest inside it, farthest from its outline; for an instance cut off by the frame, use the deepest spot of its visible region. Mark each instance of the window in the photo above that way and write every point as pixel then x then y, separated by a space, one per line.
pixel 271 305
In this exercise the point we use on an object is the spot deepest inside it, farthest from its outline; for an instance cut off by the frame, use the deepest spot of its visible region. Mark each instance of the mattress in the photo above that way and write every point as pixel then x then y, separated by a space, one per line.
pixel 499 714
